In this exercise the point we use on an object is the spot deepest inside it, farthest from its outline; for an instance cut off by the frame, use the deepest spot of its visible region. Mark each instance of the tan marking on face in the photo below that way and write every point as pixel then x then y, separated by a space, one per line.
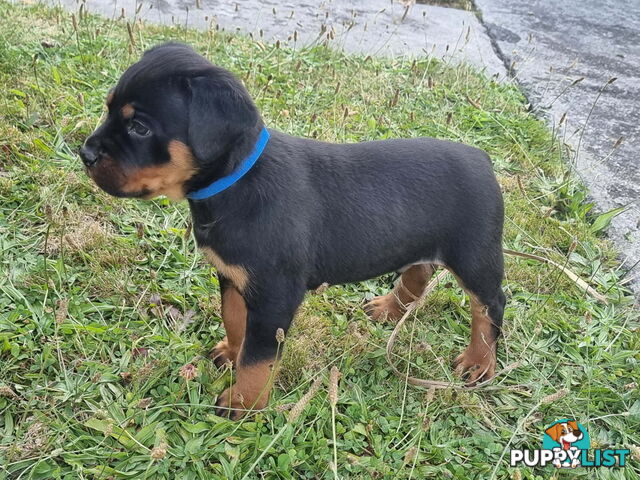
pixel 167 179
pixel 108 175
pixel 127 110
pixel 110 96
pixel 236 273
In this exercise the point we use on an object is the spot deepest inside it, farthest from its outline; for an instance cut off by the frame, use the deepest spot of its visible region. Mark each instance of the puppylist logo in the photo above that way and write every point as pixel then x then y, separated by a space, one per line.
pixel 566 444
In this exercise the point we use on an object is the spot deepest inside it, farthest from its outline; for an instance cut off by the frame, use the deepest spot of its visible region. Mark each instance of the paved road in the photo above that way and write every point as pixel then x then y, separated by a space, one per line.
pixel 375 27
pixel 555 42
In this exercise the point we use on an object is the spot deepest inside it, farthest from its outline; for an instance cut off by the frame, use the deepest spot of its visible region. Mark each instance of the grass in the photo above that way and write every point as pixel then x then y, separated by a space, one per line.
pixel 106 308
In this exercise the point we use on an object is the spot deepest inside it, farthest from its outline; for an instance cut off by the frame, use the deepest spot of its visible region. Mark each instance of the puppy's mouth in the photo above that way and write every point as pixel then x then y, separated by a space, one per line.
pixel 117 192
pixel 112 184
pixel 144 194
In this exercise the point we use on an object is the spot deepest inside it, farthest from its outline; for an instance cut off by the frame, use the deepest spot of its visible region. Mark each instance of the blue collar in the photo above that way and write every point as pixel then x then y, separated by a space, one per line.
pixel 225 182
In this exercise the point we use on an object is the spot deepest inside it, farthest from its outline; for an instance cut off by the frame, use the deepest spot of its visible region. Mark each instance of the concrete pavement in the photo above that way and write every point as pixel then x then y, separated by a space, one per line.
pixel 374 27
pixel 551 44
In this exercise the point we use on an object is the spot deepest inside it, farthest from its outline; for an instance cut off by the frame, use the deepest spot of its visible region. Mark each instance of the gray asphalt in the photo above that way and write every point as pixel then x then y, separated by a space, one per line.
pixel 553 43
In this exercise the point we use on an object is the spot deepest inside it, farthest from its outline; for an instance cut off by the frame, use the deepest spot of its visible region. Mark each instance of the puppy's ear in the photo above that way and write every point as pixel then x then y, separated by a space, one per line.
pixel 220 111
pixel 554 431
pixel 110 95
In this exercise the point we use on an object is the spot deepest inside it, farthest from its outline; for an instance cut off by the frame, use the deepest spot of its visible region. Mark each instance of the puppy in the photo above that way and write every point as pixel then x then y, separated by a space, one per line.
pixel 279 215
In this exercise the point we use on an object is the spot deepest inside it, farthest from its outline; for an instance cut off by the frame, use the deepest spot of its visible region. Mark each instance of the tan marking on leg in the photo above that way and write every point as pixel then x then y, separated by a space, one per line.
pixel 110 96
pixel 236 273
pixel 167 179
pixel 234 316
pixel 127 110
pixel 479 358
pixel 251 390
pixel 410 286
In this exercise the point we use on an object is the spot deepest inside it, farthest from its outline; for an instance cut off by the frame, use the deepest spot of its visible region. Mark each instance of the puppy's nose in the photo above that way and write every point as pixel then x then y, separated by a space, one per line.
pixel 89 155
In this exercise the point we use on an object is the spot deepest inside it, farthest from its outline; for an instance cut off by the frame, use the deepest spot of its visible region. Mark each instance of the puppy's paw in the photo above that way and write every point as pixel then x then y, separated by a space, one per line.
pixel 230 404
pixel 233 404
pixel 478 365
pixel 223 353
pixel 386 306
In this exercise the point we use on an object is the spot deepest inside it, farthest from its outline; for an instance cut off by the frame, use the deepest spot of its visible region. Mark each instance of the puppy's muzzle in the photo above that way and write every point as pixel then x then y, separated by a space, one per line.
pixel 90 154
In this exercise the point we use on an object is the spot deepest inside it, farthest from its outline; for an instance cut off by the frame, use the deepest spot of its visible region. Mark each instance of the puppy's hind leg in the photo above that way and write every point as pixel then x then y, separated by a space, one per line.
pixel 483 285
pixel 409 287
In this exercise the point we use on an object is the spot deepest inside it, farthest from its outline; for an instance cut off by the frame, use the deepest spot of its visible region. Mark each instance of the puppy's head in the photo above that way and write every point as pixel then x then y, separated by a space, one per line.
pixel 173 120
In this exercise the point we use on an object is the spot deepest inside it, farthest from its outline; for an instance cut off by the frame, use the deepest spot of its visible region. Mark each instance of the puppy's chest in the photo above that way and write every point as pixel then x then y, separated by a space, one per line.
pixel 211 243
pixel 237 274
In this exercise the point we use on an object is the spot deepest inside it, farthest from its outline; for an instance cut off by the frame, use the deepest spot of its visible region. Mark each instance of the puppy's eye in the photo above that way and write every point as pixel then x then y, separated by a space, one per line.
pixel 138 128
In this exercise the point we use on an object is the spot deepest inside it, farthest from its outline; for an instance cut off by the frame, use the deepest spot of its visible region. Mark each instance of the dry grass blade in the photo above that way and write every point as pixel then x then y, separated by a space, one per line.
pixel 415 304
pixel 392 339
pixel 295 412
pixel 420 382
pixel 574 277
pixel 334 377
pixel 554 397
pixel 299 407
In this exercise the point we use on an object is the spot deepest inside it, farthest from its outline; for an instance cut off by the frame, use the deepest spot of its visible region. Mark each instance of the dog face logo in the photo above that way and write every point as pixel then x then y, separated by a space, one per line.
pixel 569 436
pixel 566 444
pixel 565 433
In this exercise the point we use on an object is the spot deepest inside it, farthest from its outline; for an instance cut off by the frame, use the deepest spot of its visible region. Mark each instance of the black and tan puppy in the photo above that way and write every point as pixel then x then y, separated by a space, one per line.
pixel 278 215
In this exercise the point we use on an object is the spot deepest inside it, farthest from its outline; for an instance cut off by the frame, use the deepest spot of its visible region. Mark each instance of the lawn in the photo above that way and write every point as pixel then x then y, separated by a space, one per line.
pixel 107 311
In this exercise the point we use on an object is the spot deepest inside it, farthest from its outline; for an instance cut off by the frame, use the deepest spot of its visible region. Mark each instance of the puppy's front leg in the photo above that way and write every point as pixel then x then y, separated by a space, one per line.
pixel 271 305
pixel 234 316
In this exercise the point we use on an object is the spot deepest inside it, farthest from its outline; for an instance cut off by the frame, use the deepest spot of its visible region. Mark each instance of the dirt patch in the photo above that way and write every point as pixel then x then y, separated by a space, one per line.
pixel 82 234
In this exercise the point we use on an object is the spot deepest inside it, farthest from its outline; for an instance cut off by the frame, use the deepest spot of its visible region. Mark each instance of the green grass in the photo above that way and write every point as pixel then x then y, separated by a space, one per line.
pixel 103 300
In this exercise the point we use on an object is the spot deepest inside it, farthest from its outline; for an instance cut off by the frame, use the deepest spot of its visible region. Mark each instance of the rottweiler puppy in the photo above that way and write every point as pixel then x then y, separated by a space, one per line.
pixel 279 215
